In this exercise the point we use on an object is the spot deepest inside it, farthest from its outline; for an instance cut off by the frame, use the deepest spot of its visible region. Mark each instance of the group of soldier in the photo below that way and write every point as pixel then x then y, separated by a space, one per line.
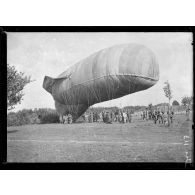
pixel 108 116
pixel 160 116
pixel 66 119
pixel 104 116
pixel 121 116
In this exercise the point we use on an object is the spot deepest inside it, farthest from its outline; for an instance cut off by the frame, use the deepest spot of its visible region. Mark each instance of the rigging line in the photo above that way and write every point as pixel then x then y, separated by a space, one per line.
pixel 94 92
pixel 108 87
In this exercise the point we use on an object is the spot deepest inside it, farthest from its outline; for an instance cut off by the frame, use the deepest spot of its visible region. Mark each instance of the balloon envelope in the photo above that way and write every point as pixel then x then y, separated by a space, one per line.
pixel 107 74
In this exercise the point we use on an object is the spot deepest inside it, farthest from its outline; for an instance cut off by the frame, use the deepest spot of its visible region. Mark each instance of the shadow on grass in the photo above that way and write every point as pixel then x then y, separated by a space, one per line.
pixel 12 131
pixel 78 122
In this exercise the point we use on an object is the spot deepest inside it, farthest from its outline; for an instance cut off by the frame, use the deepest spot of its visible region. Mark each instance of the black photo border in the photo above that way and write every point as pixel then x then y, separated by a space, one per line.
pixel 4 165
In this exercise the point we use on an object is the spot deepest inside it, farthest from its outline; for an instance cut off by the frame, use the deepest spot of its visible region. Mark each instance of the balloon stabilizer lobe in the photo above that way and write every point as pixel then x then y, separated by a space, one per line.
pixel 107 74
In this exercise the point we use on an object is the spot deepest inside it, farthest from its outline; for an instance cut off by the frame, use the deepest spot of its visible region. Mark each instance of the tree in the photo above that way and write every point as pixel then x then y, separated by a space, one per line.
pixel 175 103
pixel 150 110
pixel 167 90
pixel 168 94
pixel 16 82
pixel 150 106
pixel 186 101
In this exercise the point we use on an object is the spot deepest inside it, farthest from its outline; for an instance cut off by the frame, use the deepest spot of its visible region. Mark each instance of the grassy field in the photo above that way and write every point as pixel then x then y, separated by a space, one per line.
pixel 139 141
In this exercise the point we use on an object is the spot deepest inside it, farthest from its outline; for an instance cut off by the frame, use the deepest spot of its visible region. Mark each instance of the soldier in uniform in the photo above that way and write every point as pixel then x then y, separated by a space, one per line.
pixel 69 119
pixel 171 116
pixel 61 119
pixel 116 116
pixel 155 116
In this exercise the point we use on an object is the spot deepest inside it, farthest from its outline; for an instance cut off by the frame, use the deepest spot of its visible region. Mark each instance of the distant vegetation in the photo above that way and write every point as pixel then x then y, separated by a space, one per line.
pixel 175 103
pixel 186 101
pixel 29 116
pixel 47 115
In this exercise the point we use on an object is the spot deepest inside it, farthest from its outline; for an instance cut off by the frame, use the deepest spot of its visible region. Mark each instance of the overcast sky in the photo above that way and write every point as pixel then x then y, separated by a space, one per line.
pixel 40 54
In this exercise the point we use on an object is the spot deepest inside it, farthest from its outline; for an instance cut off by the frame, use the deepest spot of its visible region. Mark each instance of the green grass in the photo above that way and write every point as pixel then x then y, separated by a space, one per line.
pixel 139 141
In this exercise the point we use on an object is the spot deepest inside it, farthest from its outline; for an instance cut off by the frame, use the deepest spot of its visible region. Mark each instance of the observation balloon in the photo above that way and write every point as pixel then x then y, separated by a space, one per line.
pixel 105 75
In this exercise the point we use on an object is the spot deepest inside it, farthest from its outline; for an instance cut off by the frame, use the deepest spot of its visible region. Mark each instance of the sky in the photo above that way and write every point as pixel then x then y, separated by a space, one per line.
pixel 41 54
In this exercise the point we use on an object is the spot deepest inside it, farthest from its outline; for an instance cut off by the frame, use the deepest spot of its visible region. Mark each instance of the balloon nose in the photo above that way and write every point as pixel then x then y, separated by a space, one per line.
pixel 140 61
pixel 148 64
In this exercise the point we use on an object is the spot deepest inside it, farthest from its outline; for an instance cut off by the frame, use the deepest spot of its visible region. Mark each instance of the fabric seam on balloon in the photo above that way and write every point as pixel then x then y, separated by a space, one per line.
pixel 144 77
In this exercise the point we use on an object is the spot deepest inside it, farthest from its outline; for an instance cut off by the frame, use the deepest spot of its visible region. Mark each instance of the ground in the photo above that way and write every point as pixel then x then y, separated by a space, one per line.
pixel 139 141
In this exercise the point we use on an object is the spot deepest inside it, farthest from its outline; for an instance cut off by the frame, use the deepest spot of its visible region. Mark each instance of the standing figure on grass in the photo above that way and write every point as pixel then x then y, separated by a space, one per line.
pixel 125 117
pixel 171 116
pixel 101 117
pixel 150 114
pixel 91 117
pixel 188 113
pixel 187 110
pixel 83 117
pixel 155 116
pixel 96 117
pixel 116 116
pixel 112 116
pixel 69 119
pixel 144 115
pixel 122 117
pixel 61 119
pixel 166 119
pixel 160 119
pixel 158 115
pixel 130 117
pixel 119 117
pixel 163 115
pixel 108 118
pixel 86 117
pixel 64 119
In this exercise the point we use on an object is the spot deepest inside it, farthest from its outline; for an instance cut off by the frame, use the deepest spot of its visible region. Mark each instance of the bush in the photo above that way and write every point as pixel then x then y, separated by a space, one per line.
pixel 19 118
pixel 29 116
pixel 50 118
pixel 12 119
pixel 175 103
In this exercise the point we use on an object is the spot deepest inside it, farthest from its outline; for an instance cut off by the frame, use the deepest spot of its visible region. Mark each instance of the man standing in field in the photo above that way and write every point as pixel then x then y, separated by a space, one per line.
pixel 100 117
pixel 69 119
pixel 122 117
pixel 65 119
pixel 155 116
pixel 116 115
pixel 171 116
pixel 96 116
pixel 130 117
pixel 61 119
pixel 91 117
pixel 146 114
pixel 125 117
pixel 166 118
